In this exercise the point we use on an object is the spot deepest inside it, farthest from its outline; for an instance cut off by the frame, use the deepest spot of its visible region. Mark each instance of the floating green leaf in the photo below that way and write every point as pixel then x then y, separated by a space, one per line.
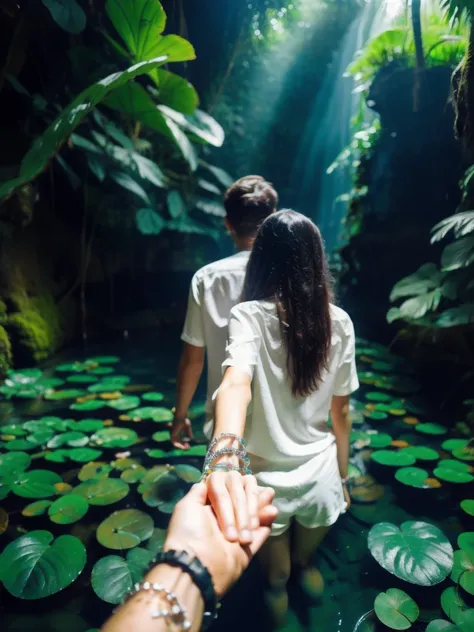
pixel 68 509
pixel 102 491
pixel 454 444
pixel 165 493
pixel 91 404
pixel 440 625
pixel 58 456
pixel 89 425
pixel 412 476
pixel 157 540
pixel 380 440
pixel 463 570
pixel 73 438
pixel 376 396
pixel 115 437
pixel 37 508
pixel 70 393
pixel 124 464
pixel 14 462
pixel 36 484
pixel 464 454
pixel 187 473
pixel 157 413
pixel 36 565
pixel 392 459
pixel 126 402
pixel 456 609
pixel 453 471
pixel 431 429
pixel 466 541
pixel 134 474
pixel 113 577
pixel 125 529
pixel 83 455
pixel 82 379
pixel 153 397
pixel 94 470
pixel 396 609
pixel 421 453
pixel 104 359
pixel 161 436
pixel 416 552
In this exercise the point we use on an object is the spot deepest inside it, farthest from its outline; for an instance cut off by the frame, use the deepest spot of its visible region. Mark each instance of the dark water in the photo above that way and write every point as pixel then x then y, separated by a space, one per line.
pixel 352 577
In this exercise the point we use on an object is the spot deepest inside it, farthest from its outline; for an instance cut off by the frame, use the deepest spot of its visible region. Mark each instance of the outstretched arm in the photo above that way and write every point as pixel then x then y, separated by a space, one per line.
pixel 190 370
pixel 341 424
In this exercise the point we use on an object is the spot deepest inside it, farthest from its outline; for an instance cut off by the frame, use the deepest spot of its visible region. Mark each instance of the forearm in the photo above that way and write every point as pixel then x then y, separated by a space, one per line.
pixel 136 614
pixel 189 374
pixel 342 425
pixel 231 409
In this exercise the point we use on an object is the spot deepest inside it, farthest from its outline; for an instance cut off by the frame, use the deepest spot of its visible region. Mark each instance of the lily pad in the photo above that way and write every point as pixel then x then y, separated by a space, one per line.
pixel 454 444
pixel 464 454
pixel 463 570
pixel 392 459
pixel 375 415
pixel 124 464
pixel 115 437
pixel 453 472
pixel 36 565
pixel 456 609
pixel 102 370
pixel 126 402
pixel 20 445
pixel 157 540
pixel 36 484
pixel 69 393
pixel 155 413
pixel 125 529
pixel 68 509
pixel 104 359
pixel 187 473
pixel 37 508
pixel 133 474
pixel 417 552
pixel 94 470
pixel 15 430
pixel 102 491
pixel 83 455
pixel 380 440
pixel 440 625
pixel 396 609
pixel 376 396
pixel 165 493
pixel 421 453
pixel 14 462
pixel 431 429
pixel 113 577
pixel 82 379
pixel 161 436
pixel 412 476
pixel 89 425
pixel 153 397
pixel 58 456
pixel 365 489
pixel 466 541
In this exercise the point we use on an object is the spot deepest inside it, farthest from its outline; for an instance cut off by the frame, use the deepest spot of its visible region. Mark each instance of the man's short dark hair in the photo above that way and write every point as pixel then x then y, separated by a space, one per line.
pixel 248 202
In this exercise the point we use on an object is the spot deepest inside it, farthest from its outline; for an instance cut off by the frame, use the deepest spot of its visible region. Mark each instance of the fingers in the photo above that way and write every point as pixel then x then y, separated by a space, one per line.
pixel 265 496
pixel 252 494
pixel 260 536
pixel 267 516
pixel 237 488
pixel 176 431
pixel 198 494
pixel 222 505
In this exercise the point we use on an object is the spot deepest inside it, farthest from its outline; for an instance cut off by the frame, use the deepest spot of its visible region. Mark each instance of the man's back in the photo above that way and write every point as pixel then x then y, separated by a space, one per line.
pixel 215 290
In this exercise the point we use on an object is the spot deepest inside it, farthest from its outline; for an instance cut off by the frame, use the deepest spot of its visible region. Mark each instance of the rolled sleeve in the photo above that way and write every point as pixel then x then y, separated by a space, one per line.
pixel 193 330
pixel 244 341
pixel 346 381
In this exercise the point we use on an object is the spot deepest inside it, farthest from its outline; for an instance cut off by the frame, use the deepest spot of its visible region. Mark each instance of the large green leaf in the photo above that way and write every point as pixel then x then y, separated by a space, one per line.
pixel 463 570
pixel 396 609
pixel 102 491
pixel 126 402
pixel 458 254
pixel 115 437
pixel 200 125
pixel 49 143
pixel 37 566
pixel 126 181
pixel 461 223
pixel 68 14
pixel 462 315
pixel 112 576
pixel 440 625
pixel 125 529
pixel 176 204
pixel 68 509
pixel 36 484
pixel 426 278
pixel 174 91
pixel 155 413
pixel 165 493
pixel 149 222
pixel 417 552
pixel 139 24
pixel 14 462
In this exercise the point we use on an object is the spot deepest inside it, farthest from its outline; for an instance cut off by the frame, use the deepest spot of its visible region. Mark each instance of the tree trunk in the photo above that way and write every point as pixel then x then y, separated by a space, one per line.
pixel 419 54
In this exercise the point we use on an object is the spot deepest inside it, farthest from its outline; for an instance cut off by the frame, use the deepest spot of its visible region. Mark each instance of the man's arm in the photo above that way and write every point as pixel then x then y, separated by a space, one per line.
pixel 190 369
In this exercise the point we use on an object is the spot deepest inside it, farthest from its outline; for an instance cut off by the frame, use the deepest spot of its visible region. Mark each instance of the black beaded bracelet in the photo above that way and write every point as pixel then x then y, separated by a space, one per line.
pixel 199 575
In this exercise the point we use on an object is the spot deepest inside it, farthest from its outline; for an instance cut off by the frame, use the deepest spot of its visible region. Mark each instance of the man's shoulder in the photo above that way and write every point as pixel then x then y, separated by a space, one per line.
pixel 234 263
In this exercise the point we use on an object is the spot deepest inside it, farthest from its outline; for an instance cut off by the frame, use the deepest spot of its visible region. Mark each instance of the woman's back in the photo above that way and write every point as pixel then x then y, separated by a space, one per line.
pixel 283 428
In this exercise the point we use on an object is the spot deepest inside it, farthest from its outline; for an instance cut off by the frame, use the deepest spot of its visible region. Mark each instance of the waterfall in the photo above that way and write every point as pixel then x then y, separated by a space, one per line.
pixel 328 130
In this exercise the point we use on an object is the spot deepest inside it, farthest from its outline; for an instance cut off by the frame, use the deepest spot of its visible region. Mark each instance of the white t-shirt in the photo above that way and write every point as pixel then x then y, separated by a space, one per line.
pixel 215 289
pixel 283 429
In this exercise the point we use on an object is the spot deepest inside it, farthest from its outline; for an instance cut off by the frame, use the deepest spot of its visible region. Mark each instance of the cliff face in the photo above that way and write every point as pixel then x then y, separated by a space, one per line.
pixel 412 178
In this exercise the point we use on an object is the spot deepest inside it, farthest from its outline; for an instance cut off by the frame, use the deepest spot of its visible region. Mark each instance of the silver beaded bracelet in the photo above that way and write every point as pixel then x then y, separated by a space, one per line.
pixel 175 612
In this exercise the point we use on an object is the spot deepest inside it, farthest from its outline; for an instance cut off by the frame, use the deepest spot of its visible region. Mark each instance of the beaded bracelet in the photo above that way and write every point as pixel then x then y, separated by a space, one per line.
pixel 175 612
pixel 225 467
pixel 240 454
pixel 225 435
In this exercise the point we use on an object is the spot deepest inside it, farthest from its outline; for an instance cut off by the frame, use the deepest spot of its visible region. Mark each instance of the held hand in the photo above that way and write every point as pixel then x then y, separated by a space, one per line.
pixel 181 432
pixel 194 528
pixel 234 498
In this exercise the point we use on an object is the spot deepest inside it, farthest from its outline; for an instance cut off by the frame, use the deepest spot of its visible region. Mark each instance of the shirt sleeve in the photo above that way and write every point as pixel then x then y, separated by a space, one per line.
pixel 243 346
pixel 193 331
pixel 346 381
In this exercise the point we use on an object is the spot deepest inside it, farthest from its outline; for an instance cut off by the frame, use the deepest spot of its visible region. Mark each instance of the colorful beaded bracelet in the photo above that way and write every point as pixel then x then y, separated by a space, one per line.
pixel 175 613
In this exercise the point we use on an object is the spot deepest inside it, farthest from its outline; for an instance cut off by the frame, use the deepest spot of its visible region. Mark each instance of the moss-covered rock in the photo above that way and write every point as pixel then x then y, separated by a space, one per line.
pixel 34 328
pixel 5 351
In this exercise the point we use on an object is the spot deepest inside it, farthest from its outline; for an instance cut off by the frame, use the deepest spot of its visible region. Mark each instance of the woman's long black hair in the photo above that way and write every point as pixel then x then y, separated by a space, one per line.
pixel 288 264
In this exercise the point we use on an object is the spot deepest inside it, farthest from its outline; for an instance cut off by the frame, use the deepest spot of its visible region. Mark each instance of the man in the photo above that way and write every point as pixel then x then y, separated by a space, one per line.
pixel 215 289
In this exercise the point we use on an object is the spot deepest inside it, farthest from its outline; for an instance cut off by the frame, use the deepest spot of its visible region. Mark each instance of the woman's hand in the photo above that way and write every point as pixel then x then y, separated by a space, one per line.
pixel 194 528
pixel 181 432
pixel 234 498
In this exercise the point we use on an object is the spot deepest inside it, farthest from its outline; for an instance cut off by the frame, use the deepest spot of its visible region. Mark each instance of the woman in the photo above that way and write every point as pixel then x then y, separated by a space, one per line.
pixel 290 360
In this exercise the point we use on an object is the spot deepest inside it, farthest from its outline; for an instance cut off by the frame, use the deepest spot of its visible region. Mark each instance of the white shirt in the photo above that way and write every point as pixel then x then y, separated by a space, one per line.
pixel 215 289
pixel 283 429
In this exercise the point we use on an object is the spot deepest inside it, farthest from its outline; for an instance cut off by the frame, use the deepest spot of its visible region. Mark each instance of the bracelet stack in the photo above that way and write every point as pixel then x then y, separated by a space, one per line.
pixel 214 453
pixel 174 612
